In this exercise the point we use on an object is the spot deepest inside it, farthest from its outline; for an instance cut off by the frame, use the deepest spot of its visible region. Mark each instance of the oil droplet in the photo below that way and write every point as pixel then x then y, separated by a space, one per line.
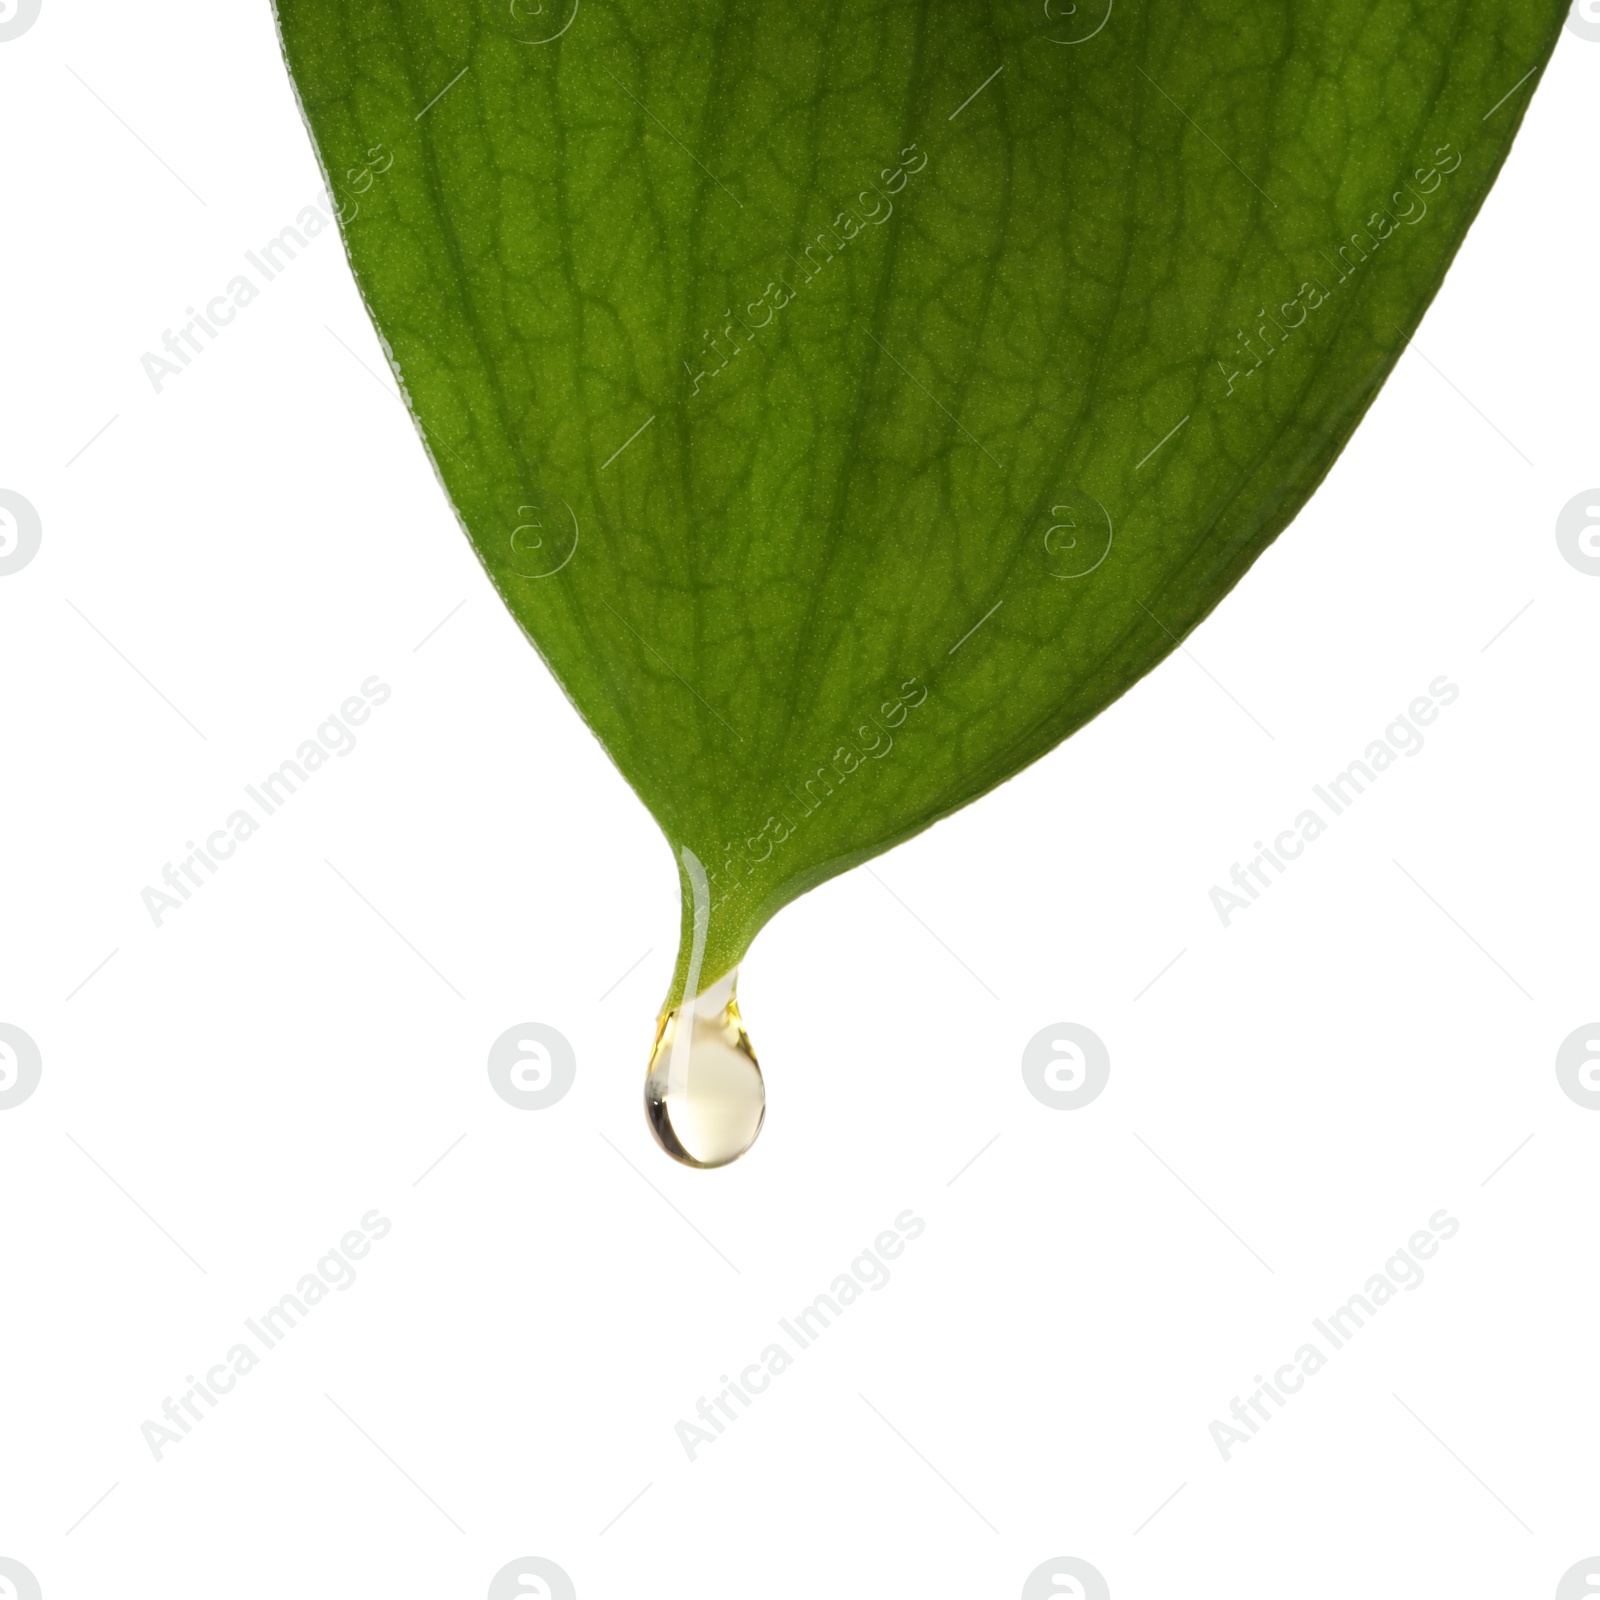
pixel 704 1095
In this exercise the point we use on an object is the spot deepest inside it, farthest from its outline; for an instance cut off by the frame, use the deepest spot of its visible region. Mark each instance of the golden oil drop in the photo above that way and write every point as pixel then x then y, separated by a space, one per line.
pixel 704 1094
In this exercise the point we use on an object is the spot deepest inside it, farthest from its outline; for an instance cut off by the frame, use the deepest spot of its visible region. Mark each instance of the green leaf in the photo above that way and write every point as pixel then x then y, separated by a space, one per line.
pixel 850 401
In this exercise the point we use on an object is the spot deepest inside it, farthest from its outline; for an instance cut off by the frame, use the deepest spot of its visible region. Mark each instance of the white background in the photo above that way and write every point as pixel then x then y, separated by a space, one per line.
pixel 1289 1100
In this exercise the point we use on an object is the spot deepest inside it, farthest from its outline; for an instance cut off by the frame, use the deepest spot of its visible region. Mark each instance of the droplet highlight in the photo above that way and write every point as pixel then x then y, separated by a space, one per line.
pixel 704 1095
